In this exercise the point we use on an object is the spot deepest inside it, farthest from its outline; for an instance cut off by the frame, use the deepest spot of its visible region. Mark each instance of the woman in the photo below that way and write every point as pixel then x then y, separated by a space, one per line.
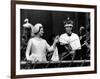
pixel 39 46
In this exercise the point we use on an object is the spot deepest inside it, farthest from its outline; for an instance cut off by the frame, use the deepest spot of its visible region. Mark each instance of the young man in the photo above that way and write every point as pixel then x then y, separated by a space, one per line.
pixel 37 47
pixel 69 40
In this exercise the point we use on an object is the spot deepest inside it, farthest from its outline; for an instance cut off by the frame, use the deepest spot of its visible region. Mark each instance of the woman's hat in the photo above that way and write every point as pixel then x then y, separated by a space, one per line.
pixel 36 28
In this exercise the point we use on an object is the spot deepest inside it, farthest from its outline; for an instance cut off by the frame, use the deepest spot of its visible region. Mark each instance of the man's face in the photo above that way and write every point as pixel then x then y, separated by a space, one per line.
pixel 41 32
pixel 68 29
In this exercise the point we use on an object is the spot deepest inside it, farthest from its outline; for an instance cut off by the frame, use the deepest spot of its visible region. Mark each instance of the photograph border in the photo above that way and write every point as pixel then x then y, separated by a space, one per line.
pixel 13 38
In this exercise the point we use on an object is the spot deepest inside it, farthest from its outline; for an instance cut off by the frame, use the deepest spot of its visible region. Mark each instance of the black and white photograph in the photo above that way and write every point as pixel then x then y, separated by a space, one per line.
pixel 54 38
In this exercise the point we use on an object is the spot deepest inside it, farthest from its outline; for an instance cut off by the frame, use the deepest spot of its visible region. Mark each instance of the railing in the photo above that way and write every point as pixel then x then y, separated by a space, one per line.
pixel 54 64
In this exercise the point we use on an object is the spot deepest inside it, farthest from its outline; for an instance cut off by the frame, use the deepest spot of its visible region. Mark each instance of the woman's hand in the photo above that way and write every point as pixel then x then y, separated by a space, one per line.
pixel 56 39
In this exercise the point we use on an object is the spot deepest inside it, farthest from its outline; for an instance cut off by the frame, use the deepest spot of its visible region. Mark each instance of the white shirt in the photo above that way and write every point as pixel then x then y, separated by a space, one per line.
pixel 73 40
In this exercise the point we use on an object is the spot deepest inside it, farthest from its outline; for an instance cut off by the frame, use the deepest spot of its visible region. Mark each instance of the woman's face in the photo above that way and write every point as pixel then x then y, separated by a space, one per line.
pixel 41 32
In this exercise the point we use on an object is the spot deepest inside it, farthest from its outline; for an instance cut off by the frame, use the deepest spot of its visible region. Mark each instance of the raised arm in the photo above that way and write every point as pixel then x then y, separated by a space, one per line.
pixel 52 48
